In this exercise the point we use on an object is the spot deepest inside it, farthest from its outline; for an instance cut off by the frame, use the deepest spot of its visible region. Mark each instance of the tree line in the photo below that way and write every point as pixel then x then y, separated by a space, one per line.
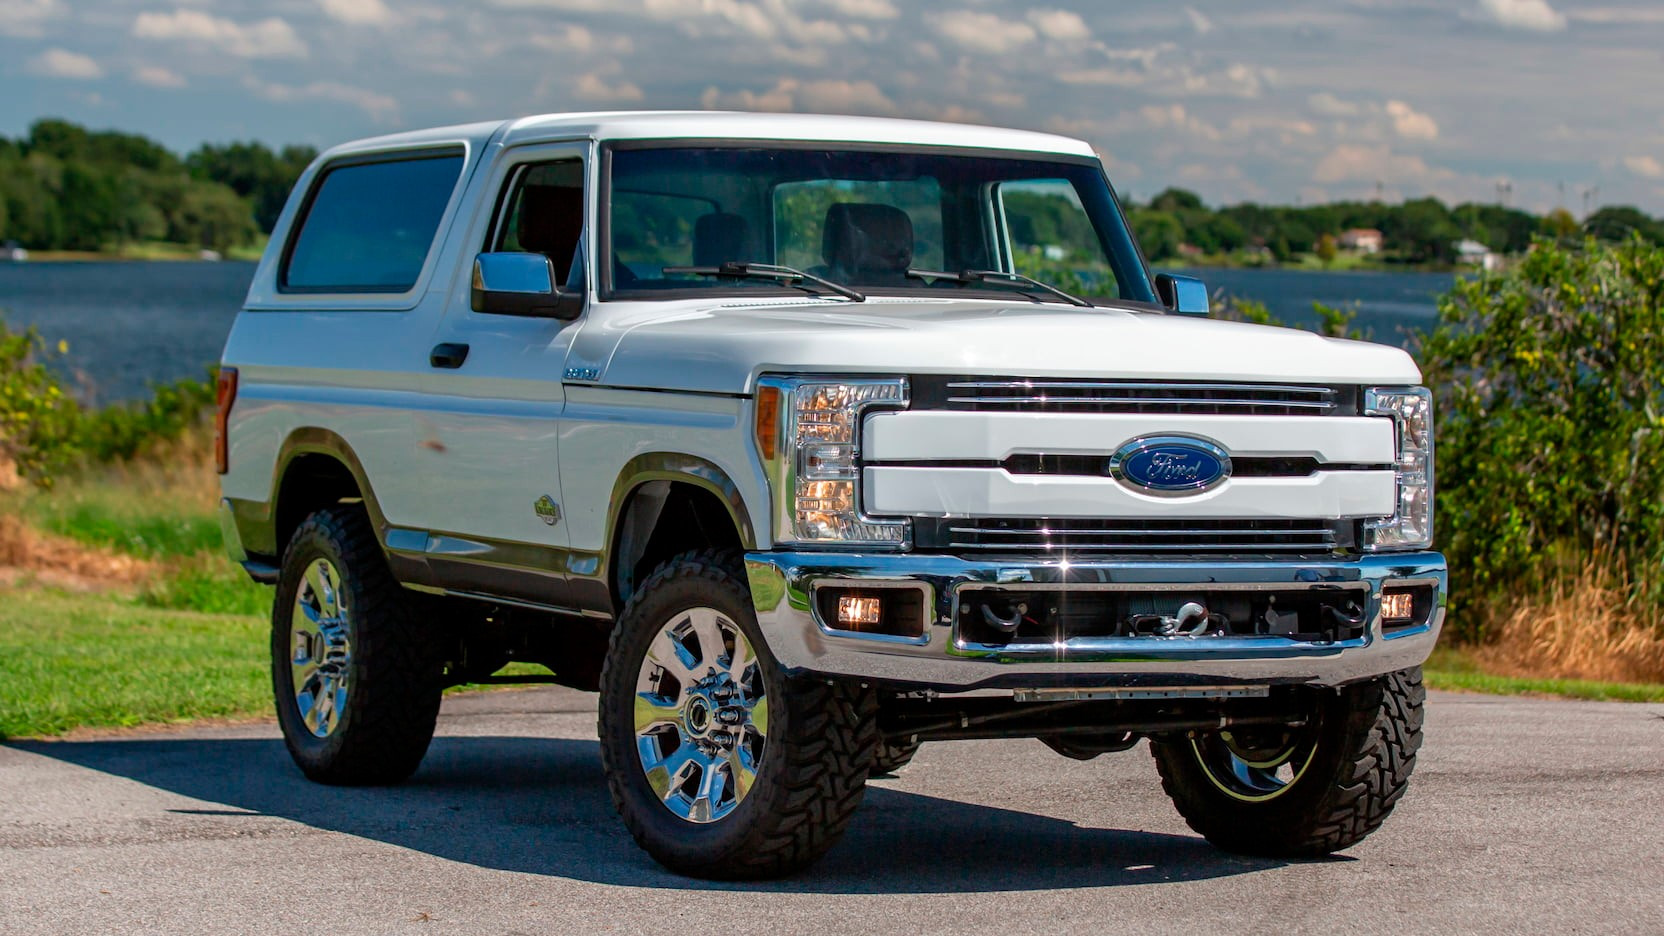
pixel 64 187
pixel 1416 231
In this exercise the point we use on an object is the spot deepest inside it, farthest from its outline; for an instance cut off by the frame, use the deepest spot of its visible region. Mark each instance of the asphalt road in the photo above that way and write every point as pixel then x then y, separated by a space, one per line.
pixel 1524 816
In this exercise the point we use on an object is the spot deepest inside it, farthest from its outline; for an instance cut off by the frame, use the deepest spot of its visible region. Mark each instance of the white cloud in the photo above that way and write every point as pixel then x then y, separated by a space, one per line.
pixel 366 12
pixel 790 94
pixel 1411 123
pixel 1062 25
pixel 865 9
pixel 62 63
pixel 25 18
pixel 984 32
pixel 380 107
pixel 269 38
pixel 1645 166
pixel 1352 162
pixel 1328 105
pixel 591 87
pixel 1198 21
pixel 1533 15
pixel 158 77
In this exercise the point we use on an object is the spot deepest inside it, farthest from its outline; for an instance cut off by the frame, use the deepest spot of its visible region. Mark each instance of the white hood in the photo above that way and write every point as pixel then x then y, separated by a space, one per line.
pixel 722 348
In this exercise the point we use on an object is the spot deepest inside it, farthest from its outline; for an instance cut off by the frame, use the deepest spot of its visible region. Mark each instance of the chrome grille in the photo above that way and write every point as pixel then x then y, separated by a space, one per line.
pixel 1047 395
pixel 1073 536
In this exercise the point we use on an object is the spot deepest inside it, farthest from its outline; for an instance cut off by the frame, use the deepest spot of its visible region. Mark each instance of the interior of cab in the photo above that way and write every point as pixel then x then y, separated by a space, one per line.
pixel 873 221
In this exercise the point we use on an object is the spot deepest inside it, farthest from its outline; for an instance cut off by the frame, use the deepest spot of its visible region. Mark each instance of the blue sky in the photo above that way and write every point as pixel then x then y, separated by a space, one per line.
pixel 1296 100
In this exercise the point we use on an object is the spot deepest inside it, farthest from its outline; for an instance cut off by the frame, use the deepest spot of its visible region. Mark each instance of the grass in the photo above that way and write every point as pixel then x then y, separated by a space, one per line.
pixel 147 250
pixel 1455 669
pixel 75 660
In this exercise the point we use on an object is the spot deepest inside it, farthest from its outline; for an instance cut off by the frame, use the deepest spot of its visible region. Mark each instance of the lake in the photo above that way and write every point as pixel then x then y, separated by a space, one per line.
pixel 132 324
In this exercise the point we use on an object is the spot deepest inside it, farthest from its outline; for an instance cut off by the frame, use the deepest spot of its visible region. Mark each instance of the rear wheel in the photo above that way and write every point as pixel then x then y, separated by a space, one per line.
pixel 1301 791
pixel 891 756
pixel 720 765
pixel 355 674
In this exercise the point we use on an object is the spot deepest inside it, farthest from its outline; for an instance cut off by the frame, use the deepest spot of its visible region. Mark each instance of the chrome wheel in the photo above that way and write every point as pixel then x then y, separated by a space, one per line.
pixel 1255 766
pixel 701 715
pixel 320 648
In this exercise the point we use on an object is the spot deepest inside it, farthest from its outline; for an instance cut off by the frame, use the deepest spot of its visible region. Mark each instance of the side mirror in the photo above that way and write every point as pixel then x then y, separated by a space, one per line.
pixel 521 284
pixel 1185 295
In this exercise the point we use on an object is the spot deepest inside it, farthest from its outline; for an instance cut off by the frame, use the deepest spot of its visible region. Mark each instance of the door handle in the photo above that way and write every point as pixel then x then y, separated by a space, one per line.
pixel 448 355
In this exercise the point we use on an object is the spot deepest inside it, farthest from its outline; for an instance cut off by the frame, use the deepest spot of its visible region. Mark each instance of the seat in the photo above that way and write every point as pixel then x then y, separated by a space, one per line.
pixel 868 244
pixel 551 222
pixel 718 237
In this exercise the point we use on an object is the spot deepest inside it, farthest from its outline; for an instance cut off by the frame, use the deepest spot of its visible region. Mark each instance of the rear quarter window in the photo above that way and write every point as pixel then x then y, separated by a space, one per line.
pixel 368 226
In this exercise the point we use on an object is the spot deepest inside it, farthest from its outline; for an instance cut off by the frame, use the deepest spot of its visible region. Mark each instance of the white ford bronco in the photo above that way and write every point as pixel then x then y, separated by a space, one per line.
pixel 804 441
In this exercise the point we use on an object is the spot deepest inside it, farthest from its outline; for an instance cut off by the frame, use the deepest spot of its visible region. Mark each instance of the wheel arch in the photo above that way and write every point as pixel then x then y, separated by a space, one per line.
pixel 657 486
pixel 317 468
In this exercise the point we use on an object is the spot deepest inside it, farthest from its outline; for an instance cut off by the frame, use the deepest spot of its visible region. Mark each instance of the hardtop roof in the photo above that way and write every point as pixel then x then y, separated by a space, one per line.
pixel 725 125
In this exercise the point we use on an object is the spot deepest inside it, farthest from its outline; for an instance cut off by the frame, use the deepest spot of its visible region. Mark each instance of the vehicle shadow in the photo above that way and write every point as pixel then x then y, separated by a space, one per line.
pixel 540 806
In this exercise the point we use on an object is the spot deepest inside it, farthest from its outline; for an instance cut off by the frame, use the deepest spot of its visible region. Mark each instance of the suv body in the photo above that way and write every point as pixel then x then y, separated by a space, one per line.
pixel 969 506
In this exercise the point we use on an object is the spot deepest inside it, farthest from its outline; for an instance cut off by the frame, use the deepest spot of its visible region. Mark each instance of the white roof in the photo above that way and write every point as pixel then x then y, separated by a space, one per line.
pixel 728 125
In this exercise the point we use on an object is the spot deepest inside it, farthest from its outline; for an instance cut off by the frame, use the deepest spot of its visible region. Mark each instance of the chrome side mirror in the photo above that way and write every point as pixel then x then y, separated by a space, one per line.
pixel 1185 295
pixel 521 284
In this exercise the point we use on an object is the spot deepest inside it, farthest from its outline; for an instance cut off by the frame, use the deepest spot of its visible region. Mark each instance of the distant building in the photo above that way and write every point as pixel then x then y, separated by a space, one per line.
pixel 11 251
pixel 1191 250
pixel 1472 253
pixel 1361 240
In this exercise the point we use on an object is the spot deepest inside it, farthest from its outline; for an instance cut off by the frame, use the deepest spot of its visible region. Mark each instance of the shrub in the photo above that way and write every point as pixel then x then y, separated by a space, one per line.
pixel 44 429
pixel 1549 391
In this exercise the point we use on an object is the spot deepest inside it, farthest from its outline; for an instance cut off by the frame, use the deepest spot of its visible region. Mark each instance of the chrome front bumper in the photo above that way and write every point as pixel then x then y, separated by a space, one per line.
pixel 783 584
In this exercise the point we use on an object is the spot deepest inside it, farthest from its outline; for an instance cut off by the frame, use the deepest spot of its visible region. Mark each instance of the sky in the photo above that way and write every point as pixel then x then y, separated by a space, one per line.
pixel 1541 103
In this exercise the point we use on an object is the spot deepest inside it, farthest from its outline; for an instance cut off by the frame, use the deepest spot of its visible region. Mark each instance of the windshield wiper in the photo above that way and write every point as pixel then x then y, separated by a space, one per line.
pixel 1002 278
pixel 791 276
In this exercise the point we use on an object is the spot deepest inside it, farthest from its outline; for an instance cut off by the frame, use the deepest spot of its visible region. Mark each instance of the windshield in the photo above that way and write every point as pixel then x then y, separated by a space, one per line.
pixel 881 222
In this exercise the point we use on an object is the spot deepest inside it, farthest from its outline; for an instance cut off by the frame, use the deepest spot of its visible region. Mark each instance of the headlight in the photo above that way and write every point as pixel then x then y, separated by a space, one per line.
pixel 809 436
pixel 1411 525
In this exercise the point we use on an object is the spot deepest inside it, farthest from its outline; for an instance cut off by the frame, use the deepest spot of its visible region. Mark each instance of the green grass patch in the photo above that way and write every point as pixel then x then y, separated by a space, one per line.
pixel 1450 668
pixel 72 661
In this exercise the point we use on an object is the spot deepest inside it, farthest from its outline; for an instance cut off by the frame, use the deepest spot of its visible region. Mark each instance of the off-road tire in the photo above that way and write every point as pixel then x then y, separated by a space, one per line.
pixel 891 756
pixel 394 685
pixel 1368 737
pixel 819 747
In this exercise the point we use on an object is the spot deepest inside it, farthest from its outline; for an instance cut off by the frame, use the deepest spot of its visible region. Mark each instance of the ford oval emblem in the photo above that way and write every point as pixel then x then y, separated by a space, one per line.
pixel 1170 466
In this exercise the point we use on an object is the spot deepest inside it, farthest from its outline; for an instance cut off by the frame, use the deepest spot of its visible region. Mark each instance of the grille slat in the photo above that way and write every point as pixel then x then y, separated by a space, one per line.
pixel 1043 395
pixel 1132 536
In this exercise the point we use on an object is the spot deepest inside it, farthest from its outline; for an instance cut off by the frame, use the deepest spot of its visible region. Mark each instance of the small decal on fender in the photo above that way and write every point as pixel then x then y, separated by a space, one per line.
pixel 547 510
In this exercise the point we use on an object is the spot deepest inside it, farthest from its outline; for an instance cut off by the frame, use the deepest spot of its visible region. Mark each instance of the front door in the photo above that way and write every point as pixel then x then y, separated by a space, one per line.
pixel 486 436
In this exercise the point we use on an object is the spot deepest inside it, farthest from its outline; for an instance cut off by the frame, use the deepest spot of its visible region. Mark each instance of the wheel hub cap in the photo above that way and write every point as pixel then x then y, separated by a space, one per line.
pixel 701 715
pixel 320 643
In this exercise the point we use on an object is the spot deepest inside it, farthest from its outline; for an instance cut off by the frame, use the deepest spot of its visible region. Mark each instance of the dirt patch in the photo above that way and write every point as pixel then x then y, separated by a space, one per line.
pixel 29 556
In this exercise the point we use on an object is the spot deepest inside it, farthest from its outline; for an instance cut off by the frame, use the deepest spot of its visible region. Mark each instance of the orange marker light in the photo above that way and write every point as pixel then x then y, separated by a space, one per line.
pixel 768 422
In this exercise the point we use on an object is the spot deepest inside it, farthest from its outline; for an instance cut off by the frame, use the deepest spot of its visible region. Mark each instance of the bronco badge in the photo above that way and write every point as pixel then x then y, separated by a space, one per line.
pixel 1170 466
pixel 547 510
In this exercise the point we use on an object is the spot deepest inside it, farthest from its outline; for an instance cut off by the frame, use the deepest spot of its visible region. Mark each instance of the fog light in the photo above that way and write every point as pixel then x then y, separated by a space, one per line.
pixel 1398 605
pixel 854 611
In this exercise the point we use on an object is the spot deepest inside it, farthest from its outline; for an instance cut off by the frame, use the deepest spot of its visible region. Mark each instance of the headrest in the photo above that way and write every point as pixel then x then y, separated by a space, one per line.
pixel 717 238
pixel 863 238
pixel 551 221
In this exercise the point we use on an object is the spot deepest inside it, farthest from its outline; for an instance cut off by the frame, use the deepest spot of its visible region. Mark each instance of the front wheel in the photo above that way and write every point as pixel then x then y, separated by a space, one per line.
pixel 720 765
pixel 1306 791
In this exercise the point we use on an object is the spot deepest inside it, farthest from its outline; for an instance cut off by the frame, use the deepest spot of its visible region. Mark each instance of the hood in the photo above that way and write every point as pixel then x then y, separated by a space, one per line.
pixel 722 348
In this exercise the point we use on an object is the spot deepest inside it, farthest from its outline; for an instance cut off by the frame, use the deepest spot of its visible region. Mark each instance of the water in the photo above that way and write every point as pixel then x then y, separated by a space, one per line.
pixel 132 324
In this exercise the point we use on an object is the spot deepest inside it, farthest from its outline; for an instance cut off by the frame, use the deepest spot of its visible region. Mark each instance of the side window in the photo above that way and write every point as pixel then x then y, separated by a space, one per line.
pixel 369 226
pixel 544 213
pixel 1052 238
pixel 802 210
